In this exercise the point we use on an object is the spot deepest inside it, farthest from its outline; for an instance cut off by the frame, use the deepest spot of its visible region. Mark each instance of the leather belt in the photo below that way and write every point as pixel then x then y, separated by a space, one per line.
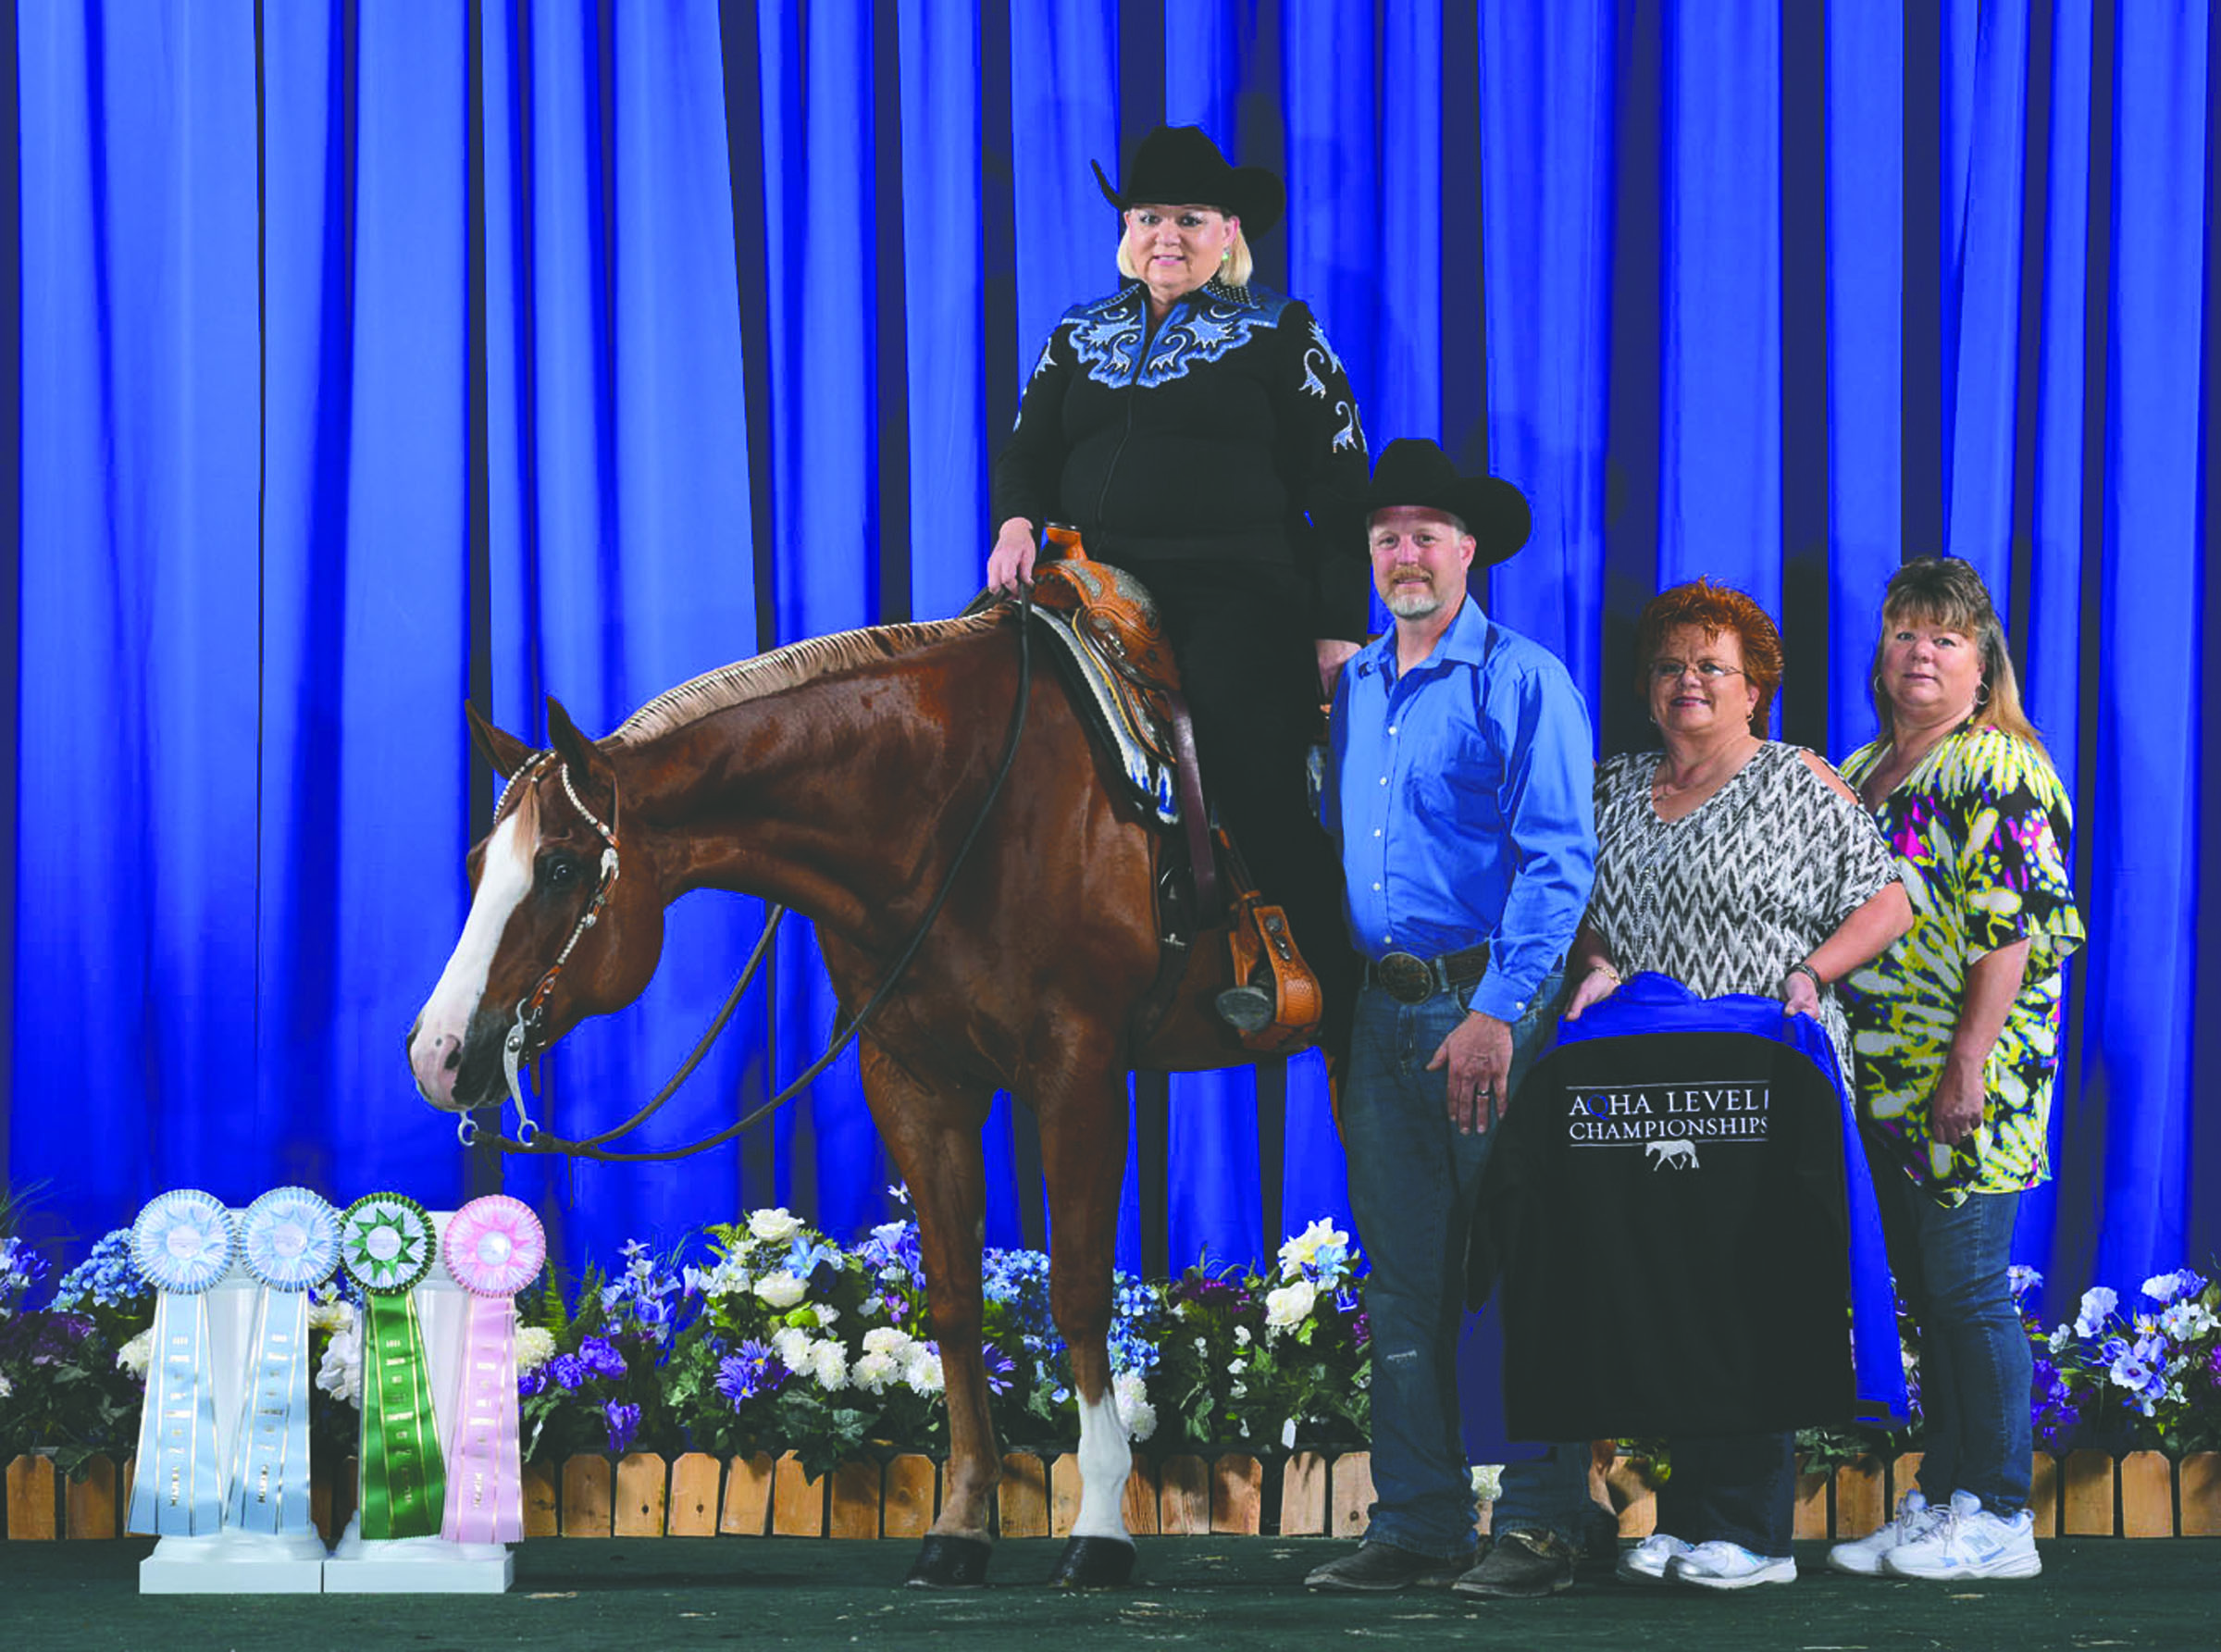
pixel 1413 980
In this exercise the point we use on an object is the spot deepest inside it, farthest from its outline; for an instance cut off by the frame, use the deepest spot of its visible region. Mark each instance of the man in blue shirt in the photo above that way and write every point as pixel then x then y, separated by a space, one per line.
pixel 1458 788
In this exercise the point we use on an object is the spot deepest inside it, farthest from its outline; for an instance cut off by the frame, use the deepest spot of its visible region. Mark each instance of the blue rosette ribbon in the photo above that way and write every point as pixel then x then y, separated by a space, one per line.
pixel 387 1244
pixel 288 1240
pixel 183 1243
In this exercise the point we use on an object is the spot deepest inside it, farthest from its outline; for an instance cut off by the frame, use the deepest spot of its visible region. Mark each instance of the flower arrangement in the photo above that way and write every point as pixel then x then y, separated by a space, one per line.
pixel 763 1335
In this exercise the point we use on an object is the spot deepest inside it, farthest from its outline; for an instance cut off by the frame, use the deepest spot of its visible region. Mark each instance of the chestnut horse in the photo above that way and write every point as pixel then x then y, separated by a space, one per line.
pixel 839 777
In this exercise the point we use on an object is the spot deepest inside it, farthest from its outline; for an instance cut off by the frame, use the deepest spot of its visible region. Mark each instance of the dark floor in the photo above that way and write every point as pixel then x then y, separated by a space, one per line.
pixel 1215 1593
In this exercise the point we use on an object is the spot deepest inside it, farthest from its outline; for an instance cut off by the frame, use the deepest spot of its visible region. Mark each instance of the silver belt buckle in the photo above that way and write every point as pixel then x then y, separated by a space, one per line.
pixel 1406 977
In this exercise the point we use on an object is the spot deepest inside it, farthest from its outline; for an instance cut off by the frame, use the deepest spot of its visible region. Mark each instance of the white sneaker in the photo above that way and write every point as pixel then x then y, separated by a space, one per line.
pixel 1970 1541
pixel 1646 1562
pixel 1861 1557
pixel 1720 1565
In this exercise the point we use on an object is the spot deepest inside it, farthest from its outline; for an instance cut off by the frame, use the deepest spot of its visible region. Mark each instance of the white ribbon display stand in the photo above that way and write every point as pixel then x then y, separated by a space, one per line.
pixel 231 1561
pixel 425 1565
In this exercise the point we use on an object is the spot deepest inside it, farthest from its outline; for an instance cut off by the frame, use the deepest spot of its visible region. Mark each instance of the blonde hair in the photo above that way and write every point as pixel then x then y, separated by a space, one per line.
pixel 1945 592
pixel 1235 269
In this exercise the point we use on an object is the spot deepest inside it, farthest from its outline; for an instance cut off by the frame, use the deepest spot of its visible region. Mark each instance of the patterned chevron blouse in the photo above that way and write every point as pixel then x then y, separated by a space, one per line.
pixel 1747 883
pixel 1980 829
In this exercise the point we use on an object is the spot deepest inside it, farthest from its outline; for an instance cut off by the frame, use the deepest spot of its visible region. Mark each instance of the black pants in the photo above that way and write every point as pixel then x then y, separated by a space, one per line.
pixel 1248 666
pixel 1739 1488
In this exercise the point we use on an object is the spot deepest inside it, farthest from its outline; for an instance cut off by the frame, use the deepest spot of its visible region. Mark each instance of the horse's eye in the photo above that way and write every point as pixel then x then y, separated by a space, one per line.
pixel 559 871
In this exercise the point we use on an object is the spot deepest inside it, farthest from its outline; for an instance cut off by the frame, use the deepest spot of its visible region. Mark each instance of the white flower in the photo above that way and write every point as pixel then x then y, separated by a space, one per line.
pixel 1296 1254
pixel 1488 1481
pixel 2059 1339
pixel 828 1316
pixel 134 1354
pixel 774 1227
pixel 2097 1302
pixel 888 1340
pixel 1290 1305
pixel 340 1373
pixel 781 1290
pixel 2186 1320
pixel 2161 1287
pixel 535 1347
pixel 873 1371
pixel 922 1370
pixel 1241 1336
pixel 791 1343
pixel 1131 1389
pixel 330 1315
pixel 6 1386
pixel 1238 1391
pixel 828 1365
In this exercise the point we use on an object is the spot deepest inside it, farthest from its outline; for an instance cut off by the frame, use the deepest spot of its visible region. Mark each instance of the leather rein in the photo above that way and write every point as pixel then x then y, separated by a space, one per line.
pixel 523 1045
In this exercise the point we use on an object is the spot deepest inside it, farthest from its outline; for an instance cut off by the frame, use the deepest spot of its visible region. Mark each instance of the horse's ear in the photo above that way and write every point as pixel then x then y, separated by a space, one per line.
pixel 580 754
pixel 504 752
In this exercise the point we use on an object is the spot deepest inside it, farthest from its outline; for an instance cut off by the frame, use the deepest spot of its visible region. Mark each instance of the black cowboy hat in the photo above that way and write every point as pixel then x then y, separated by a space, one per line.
pixel 1179 166
pixel 1412 472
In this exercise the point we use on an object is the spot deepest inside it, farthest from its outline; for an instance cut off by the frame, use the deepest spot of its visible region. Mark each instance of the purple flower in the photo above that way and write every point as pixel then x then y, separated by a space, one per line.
pixel 748 1371
pixel 532 1381
pixel 567 1371
pixel 601 1358
pixel 1360 1330
pixel 1000 1367
pixel 1213 1293
pixel 624 1422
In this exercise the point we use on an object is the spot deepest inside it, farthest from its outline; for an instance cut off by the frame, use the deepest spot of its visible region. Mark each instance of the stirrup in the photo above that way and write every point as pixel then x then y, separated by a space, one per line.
pixel 1267 964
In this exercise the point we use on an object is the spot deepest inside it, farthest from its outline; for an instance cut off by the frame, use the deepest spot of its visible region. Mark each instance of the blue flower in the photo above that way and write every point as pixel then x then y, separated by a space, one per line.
pixel 624 1421
pixel 567 1371
pixel 748 1371
pixel 804 1259
pixel 601 1358
pixel 532 1381
pixel 107 1278
pixel 1000 1367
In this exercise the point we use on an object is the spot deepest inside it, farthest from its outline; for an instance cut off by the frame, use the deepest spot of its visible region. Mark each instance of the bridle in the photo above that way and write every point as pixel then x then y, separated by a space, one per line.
pixel 523 1042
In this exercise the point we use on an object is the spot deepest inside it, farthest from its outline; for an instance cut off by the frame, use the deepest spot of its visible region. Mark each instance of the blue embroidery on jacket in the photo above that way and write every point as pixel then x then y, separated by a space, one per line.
pixel 1107 335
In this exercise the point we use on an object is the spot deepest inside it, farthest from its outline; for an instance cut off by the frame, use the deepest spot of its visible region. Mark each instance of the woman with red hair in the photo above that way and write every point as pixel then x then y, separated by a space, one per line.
pixel 1736 864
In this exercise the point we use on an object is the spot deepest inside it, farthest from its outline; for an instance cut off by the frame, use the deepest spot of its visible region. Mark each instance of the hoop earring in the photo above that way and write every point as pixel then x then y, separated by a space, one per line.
pixel 1981 696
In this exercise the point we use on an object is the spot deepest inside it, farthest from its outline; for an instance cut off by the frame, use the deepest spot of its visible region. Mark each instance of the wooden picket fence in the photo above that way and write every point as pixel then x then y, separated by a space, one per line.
pixel 2085 1493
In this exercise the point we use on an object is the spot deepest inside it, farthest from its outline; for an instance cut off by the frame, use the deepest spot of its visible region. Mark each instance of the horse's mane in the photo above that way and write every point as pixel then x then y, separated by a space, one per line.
pixel 787 667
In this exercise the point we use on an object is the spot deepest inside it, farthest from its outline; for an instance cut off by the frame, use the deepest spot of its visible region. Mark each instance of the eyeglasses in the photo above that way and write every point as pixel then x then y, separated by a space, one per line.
pixel 1711 671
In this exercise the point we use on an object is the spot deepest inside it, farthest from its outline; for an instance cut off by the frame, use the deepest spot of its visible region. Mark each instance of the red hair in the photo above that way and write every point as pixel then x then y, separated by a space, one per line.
pixel 1714 609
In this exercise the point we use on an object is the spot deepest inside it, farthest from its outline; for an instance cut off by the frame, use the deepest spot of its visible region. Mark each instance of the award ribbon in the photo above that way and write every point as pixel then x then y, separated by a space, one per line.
pixel 290 1240
pixel 386 1245
pixel 182 1244
pixel 494 1246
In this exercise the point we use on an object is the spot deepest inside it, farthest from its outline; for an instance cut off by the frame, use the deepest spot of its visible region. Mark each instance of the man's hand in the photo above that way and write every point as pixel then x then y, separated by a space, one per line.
pixel 1333 653
pixel 1478 1053
pixel 1954 1112
pixel 1011 563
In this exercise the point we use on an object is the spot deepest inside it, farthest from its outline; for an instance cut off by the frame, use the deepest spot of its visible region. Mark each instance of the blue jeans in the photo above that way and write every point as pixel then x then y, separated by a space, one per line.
pixel 1976 1366
pixel 1414 1185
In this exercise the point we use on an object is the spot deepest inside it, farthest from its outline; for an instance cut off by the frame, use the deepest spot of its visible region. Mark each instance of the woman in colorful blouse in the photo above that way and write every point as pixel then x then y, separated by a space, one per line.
pixel 1199 431
pixel 1956 1034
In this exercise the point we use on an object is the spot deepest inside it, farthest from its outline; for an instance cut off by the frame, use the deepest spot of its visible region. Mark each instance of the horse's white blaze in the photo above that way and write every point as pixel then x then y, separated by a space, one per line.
pixel 1105 1462
pixel 504 879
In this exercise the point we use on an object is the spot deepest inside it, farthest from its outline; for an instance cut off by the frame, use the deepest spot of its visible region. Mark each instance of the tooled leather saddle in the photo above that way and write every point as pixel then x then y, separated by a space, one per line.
pixel 1116 657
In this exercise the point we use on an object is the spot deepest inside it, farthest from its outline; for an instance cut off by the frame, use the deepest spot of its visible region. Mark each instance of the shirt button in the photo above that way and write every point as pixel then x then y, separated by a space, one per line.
pixel 1376 831
pixel 1391 728
pixel 1376 888
pixel 1383 779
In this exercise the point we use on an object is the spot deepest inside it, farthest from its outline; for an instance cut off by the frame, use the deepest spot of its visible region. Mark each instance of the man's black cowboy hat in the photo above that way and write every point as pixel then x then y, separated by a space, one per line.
pixel 1412 472
pixel 1179 166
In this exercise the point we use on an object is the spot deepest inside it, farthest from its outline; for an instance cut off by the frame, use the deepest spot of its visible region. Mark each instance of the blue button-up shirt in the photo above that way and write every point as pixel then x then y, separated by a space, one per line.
pixel 1461 794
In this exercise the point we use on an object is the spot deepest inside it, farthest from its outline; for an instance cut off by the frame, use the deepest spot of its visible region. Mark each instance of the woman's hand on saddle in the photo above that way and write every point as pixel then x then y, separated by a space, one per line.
pixel 1333 653
pixel 1478 1053
pixel 1011 563
pixel 1601 981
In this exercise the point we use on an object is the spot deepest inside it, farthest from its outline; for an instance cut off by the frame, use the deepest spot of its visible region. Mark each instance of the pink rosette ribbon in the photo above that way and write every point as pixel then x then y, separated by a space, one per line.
pixel 494 1247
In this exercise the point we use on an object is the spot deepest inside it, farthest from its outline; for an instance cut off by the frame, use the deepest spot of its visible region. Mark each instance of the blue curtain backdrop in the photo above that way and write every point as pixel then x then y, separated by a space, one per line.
pixel 374 359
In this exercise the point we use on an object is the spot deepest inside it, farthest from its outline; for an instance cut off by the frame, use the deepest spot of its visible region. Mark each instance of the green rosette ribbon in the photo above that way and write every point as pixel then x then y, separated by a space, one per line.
pixel 182 1244
pixel 387 1244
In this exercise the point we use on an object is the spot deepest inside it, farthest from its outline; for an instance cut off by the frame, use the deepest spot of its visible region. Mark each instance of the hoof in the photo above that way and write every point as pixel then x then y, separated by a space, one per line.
pixel 949 1563
pixel 1093 1563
